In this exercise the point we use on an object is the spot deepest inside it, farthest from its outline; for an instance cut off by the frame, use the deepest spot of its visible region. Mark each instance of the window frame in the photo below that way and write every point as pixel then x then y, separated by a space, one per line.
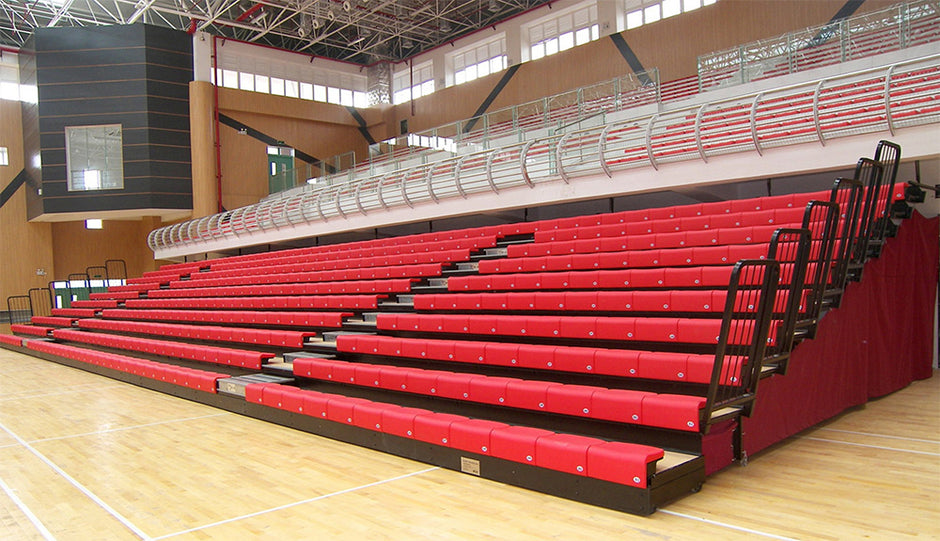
pixel 115 171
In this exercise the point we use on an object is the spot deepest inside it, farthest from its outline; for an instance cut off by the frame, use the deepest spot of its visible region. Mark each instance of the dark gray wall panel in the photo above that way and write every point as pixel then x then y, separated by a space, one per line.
pixel 74 60
pixel 136 76
pixel 169 121
pixel 165 89
pixel 86 74
pixel 170 154
pixel 57 124
pixel 56 91
pixel 159 37
pixel 168 74
pixel 108 105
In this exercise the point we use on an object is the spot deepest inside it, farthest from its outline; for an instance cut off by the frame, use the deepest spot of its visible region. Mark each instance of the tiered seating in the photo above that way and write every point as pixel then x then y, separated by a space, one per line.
pixel 603 348
pixel 209 333
pixel 200 380
pixel 209 354
pixel 621 463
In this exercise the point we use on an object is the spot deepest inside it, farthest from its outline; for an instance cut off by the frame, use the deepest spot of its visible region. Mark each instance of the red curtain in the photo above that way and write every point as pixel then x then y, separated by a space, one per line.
pixel 878 341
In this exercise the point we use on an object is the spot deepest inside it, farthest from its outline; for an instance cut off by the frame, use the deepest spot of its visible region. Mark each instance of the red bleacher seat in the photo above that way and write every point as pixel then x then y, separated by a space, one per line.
pixel 473 435
pixel 200 380
pixel 11 340
pixel 516 443
pixel 33 330
pixel 211 354
pixel 564 452
pixel 623 463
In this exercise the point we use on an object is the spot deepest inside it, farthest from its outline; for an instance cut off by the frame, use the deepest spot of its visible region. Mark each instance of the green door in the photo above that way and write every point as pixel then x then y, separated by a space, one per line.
pixel 280 170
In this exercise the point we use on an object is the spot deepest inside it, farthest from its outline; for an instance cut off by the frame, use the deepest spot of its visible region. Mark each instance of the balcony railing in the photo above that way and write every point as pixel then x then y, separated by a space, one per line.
pixel 904 25
pixel 875 100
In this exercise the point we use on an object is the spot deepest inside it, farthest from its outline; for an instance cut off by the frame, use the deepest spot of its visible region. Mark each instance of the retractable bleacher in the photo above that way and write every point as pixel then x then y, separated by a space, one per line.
pixel 596 357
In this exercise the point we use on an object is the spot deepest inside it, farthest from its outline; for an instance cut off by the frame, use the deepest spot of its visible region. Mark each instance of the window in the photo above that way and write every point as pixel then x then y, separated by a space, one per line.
pixel 563 32
pixel 246 81
pixel 9 77
pixel 229 79
pixel 4 156
pixel 423 76
pixel 262 84
pixel 292 89
pixel 671 7
pixel 480 60
pixel 287 76
pixel 640 12
pixel 94 157
pixel 332 95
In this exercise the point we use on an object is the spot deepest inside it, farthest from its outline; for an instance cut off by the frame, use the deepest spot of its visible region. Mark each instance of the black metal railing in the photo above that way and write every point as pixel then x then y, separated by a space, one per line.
pixel 821 218
pixel 887 154
pixel 791 248
pixel 37 302
pixel 742 342
pixel 847 194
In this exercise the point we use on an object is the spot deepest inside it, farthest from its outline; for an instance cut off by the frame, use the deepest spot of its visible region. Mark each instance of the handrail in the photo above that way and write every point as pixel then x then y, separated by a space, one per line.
pixel 888 118
pixel 819 132
pixel 782 49
pixel 404 192
pixel 749 123
pixel 583 118
pixel 649 141
pixel 602 151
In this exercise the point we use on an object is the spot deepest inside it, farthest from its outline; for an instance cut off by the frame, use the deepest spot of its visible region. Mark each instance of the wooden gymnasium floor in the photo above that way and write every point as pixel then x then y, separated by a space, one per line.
pixel 85 457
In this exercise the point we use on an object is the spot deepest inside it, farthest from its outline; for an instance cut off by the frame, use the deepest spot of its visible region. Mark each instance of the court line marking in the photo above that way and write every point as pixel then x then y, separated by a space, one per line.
pixel 294 504
pixel 869 446
pixel 46 534
pixel 725 525
pixel 84 490
pixel 903 438
pixel 123 428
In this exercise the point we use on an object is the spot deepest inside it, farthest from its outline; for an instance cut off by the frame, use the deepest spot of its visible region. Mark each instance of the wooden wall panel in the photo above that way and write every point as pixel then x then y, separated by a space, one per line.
pixel 202 141
pixel 76 248
pixel 24 247
pixel 318 129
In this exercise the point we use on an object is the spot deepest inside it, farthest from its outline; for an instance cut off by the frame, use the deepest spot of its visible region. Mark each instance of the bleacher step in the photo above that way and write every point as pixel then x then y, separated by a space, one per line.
pixel 516 239
pixel 235 386
pixel 400 302
pixel 294 355
pixel 433 285
pixel 359 325
pixel 396 306
pixel 730 412
pixel 285 369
